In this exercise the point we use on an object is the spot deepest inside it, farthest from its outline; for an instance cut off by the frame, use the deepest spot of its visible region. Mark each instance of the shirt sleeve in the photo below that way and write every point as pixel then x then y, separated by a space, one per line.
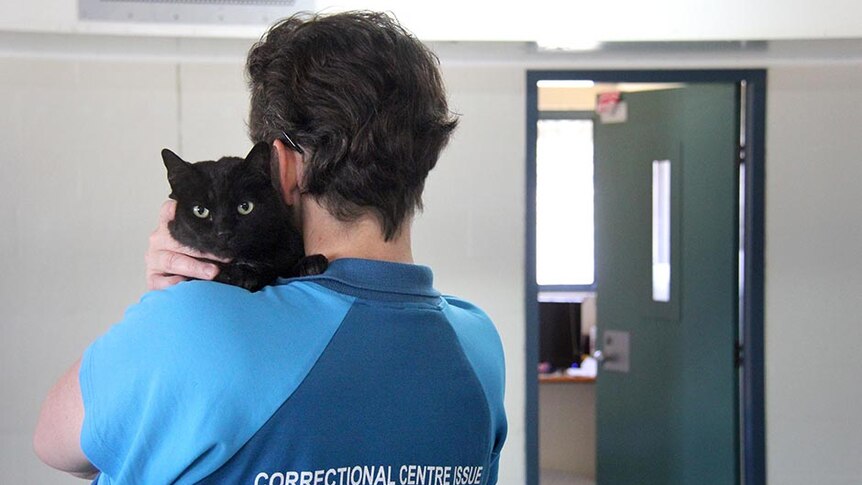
pixel 484 350
pixel 122 379
pixel 166 391
pixel 151 383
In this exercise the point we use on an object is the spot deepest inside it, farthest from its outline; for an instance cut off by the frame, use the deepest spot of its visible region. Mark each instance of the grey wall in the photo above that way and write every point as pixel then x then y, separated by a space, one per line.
pixel 814 275
pixel 472 229
pixel 82 181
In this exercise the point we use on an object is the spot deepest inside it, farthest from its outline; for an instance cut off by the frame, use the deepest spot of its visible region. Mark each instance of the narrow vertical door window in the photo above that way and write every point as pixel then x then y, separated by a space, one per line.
pixel 661 230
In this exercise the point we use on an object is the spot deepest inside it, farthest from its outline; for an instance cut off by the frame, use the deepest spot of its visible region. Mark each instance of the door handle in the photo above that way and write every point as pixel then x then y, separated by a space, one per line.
pixel 601 358
pixel 614 354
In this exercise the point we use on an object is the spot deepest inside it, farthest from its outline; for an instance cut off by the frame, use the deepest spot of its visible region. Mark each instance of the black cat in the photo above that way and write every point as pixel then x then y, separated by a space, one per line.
pixel 231 208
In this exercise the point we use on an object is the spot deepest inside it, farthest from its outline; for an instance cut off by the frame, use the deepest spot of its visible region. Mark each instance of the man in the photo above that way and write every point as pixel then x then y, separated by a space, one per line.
pixel 362 375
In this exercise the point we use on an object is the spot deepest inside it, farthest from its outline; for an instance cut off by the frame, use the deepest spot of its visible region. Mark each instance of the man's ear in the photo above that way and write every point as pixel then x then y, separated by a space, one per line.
pixel 289 163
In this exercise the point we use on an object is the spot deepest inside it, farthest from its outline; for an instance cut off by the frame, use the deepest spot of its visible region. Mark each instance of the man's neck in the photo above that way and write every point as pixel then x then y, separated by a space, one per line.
pixel 326 235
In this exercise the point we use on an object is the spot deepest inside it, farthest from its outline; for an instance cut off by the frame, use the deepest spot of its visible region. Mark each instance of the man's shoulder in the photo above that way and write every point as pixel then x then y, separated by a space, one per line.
pixel 187 306
pixel 180 350
pixel 192 297
pixel 210 324
pixel 208 302
pixel 465 315
pixel 198 295
pixel 483 348
pixel 182 317
pixel 476 332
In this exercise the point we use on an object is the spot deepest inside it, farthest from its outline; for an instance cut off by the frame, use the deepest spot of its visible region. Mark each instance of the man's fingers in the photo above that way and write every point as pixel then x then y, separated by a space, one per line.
pixel 160 282
pixel 173 245
pixel 174 263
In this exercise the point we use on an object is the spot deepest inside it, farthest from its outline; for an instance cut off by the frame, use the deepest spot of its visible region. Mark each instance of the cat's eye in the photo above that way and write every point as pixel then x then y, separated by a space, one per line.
pixel 201 211
pixel 245 208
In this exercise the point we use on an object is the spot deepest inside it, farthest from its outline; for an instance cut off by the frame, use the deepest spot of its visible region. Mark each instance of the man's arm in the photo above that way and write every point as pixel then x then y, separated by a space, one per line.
pixel 57 440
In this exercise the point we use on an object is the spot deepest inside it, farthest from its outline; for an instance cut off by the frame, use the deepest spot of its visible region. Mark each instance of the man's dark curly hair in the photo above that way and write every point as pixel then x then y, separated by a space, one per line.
pixel 365 101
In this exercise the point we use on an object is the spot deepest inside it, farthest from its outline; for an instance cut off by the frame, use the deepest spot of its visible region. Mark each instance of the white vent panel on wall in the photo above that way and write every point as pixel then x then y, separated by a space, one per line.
pixel 212 12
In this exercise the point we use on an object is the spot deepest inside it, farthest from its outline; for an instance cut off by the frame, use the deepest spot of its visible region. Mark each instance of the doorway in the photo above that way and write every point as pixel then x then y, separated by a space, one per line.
pixel 661 333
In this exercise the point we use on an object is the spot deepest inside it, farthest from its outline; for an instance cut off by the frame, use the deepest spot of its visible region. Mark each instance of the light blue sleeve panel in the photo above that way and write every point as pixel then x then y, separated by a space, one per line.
pixel 192 372
pixel 481 343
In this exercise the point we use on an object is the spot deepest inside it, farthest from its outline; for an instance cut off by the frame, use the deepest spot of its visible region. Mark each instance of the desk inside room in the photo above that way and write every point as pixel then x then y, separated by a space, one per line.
pixel 562 379
pixel 567 429
pixel 567 395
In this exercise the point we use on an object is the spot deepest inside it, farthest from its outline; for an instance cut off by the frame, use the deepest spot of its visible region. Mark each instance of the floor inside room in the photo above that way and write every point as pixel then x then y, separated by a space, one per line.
pixel 557 477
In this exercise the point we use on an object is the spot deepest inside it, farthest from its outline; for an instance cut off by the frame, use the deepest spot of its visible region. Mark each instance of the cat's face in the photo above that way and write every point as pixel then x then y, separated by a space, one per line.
pixel 229 207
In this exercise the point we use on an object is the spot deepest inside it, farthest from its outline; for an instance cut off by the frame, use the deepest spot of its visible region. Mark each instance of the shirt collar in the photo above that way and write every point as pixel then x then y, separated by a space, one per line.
pixel 385 276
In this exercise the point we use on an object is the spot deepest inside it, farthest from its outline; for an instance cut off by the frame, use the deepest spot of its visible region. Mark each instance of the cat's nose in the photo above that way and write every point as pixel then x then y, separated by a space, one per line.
pixel 224 234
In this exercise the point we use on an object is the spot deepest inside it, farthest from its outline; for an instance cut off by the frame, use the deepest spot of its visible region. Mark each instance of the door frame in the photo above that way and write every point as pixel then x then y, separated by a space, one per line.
pixel 753 416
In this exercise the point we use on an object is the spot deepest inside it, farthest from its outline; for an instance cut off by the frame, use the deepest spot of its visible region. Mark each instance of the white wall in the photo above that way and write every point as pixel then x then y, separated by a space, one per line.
pixel 472 229
pixel 80 177
pixel 82 181
pixel 814 276
pixel 550 20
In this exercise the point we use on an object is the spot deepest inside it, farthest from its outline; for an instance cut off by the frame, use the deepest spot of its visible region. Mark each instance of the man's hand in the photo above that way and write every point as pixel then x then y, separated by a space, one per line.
pixel 169 262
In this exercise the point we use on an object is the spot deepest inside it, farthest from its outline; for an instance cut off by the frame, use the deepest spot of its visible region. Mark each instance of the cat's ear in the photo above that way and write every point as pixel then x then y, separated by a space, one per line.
pixel 260 156
pixel 177 167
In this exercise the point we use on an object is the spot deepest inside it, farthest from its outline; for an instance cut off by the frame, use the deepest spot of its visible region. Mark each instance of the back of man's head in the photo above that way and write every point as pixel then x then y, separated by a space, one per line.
pixel 365 101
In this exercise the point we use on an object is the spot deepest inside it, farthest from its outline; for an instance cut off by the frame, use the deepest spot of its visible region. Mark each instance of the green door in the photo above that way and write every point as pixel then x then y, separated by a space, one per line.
pixel 672 418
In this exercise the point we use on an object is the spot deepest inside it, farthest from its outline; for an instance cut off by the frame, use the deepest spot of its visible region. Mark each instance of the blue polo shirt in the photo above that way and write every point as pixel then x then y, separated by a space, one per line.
pixel 364 375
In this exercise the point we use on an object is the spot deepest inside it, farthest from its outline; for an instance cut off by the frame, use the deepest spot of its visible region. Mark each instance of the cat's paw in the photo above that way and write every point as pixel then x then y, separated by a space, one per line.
pixel 244 275
pixel 311 265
